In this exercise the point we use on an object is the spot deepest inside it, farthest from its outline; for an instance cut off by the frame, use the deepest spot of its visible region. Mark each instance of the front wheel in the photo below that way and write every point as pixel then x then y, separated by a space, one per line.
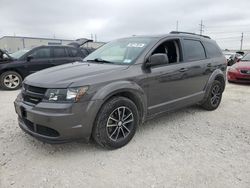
pixel 214 97
pixel 10 80
pixel 116 123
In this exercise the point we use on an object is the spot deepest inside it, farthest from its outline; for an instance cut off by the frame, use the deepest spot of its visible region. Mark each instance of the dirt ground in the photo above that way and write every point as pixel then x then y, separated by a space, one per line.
pixel 187 148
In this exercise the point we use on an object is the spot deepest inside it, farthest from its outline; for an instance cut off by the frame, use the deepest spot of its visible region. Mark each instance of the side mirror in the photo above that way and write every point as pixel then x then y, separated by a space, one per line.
pixel 29 58
pixel 157 59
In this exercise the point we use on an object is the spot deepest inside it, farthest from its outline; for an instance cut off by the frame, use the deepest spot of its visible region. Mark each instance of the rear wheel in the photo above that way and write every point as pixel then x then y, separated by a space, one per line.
pixel 214 97
pixel 116 123
pixel 10 80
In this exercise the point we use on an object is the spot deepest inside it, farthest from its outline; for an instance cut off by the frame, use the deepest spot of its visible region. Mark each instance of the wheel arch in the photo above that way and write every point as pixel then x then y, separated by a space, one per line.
pixel 12 69
pixel 218 75
pixel 126 89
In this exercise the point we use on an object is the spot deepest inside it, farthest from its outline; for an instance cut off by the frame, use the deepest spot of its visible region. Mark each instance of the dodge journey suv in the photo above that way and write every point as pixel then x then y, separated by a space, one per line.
pixel 119 86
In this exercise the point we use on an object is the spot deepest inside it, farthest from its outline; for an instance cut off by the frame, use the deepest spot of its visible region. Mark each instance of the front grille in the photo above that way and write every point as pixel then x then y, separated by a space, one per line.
pixel 245 71
pixel 32 94
pixel 40 129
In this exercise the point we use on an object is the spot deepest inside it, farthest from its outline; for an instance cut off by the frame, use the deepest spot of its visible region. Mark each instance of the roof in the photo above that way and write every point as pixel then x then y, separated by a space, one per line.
pixel 175 33
pixel 22 37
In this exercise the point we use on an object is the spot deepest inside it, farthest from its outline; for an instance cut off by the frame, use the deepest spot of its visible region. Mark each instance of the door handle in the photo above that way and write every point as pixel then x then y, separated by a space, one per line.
pixel 183 69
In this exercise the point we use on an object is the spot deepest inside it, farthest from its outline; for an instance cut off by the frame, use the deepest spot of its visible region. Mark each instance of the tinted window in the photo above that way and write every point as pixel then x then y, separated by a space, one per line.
pixel 212 50
pixel 41 53
pixel 194 50
pixel 74 52
pixel 59 52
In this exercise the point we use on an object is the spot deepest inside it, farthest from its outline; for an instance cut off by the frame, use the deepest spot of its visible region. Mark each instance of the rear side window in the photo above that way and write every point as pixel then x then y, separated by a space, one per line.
pixel 212 50
pixel 194 50
pixel 41 53
pixel 60 52
pixel 74 52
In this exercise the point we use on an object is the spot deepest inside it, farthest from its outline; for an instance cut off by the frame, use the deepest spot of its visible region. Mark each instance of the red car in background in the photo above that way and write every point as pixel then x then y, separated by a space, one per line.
pixel 240 71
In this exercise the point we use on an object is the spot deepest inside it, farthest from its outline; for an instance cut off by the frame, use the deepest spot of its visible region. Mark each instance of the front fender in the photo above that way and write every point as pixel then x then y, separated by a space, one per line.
pixel 119 87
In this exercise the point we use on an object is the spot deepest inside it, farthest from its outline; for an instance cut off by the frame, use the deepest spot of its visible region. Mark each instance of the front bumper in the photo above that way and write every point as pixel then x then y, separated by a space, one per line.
pixel 238 77
pixel 57 122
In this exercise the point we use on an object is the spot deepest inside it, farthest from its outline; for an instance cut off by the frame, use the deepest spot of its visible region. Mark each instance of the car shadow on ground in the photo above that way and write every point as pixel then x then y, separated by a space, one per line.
pixel 83 146
pixel 239 83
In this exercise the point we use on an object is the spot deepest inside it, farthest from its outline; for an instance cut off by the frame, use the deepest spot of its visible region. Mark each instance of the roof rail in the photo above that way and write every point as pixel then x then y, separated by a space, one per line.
pixel 181 32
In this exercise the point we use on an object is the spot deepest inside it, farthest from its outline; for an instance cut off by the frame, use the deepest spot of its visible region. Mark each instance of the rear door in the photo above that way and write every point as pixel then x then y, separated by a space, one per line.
pixel 60 56
pixel 196 66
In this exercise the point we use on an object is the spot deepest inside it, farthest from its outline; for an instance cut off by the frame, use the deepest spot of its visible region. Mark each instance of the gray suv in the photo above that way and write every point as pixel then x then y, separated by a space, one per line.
pixel 119 86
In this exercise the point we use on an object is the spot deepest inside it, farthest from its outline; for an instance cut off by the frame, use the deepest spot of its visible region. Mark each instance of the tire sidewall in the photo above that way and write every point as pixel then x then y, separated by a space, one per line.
pixel 101 135
pixel 3 75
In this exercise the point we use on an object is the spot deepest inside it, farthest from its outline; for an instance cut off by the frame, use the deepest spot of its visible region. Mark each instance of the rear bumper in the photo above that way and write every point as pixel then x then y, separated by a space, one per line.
pixel 57 123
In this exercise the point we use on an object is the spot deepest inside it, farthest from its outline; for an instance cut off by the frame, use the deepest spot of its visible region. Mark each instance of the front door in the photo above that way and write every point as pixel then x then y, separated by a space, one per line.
pixel 38 59
pixel 175 84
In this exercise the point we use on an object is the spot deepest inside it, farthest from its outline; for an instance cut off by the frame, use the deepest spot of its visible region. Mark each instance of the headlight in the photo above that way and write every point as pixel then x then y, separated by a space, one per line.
pixel 65 95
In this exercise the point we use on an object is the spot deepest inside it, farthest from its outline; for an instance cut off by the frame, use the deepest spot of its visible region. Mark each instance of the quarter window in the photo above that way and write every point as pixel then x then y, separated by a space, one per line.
pixel 194 50
pixel 212 50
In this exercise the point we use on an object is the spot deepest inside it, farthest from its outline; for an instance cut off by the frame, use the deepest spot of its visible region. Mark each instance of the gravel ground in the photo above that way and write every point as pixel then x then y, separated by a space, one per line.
pixel 187 148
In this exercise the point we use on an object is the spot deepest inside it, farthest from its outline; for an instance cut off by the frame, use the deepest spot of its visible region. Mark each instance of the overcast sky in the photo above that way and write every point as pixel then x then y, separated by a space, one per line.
pixel 224 20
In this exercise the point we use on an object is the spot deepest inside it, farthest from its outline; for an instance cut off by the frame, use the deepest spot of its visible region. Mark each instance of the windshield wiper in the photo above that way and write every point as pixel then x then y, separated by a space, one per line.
pixel 99 60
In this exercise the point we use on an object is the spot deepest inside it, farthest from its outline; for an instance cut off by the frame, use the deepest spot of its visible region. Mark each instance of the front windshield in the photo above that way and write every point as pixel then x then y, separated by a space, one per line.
pixel 20 53
pixel 246 58
pixel 122 51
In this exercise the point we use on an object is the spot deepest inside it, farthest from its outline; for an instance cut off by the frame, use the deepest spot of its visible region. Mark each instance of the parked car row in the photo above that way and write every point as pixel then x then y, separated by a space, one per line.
pixel 16 66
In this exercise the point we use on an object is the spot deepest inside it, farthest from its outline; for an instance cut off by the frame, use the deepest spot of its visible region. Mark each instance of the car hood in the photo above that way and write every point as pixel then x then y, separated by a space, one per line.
pixel 73 74
pixel 242 65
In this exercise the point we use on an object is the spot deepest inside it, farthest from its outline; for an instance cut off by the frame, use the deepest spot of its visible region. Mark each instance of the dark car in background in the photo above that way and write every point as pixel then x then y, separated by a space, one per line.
pixel 16 66
pixel 240 71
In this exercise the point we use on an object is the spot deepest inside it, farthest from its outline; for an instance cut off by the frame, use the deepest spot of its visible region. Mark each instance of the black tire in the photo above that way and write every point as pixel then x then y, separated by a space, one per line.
pixel 104 129
pixel 15 80
pixel 214 96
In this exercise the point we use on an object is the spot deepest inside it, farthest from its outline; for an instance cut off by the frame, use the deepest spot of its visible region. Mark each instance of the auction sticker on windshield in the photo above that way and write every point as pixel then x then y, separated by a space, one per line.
pixel 136 45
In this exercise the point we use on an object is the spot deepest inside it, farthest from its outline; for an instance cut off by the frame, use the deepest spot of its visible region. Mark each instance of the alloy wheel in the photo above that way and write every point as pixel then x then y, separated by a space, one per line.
pixel 120 123
pixel 11 81
pixel 215 95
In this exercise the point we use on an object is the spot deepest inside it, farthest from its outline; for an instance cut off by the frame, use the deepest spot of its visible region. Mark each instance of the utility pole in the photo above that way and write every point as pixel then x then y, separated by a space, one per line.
pixel 95 38
pixel 201 27
pixel 177 25
pixel 241 41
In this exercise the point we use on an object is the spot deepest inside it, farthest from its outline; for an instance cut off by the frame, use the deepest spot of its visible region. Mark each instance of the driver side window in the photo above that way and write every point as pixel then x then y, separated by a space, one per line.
pixel 171 48
pixel 41 53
